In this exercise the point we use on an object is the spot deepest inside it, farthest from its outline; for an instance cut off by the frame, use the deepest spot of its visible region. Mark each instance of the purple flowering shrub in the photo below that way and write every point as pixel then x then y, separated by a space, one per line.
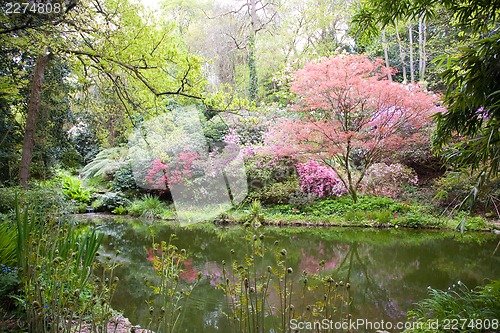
pixel 317 179
pixel 388 180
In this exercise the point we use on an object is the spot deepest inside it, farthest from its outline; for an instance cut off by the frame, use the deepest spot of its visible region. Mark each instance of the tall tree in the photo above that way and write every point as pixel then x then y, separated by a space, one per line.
pixel 471 76
pixel 33 111
pixel 113 41
pixel 350 117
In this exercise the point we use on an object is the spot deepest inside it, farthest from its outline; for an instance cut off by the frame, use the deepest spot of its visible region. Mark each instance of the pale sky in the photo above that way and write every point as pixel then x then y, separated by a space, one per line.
pixel 150 3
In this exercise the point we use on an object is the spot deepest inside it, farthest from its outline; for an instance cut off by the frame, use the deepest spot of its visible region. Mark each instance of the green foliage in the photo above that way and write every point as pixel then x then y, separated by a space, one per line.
pixel 60 290
pixel 277 193
pixel 263 171
pixel 120 210
pixel 214 130
pixel 110 201
pixel 381 216
pixel 124 181
pixel 7 198
pixel 473 105
pixel 106 162
pixel 8 244
pixel 149 206
pixel 460 190
pixel 9 281
pixel 342 205
pixel 418 219
pixel 255 218
pixel 468 307
pixel 72 188
pixel 46 195
pixel 355 216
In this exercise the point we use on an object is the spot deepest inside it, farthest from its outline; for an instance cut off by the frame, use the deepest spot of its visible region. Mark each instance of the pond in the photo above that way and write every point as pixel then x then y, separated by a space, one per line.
pixel 387 270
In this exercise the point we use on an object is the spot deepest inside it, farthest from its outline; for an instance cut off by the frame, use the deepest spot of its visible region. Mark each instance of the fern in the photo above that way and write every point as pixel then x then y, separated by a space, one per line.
pixel 107 162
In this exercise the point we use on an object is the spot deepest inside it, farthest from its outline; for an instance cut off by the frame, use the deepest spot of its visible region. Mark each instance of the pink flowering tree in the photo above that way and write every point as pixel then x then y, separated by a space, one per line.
pixel 161 174
pixel 349 117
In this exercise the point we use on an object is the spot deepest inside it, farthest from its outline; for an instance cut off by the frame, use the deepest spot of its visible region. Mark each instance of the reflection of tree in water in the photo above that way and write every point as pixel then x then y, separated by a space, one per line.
pixel 367 289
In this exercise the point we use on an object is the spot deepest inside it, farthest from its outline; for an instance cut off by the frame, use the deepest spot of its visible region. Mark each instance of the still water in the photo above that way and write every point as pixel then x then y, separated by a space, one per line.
pixel 387 270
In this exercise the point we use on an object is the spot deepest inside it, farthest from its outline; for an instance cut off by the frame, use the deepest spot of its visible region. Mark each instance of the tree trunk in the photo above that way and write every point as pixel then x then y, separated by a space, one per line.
pixel 412 65
pixel 386 55
pixel 252 69
pixel 402 53
pixel 421 48
pixel 32 117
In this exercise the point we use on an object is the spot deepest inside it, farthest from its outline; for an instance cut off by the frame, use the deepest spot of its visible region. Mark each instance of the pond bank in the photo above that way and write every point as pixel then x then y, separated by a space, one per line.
pixel 272 221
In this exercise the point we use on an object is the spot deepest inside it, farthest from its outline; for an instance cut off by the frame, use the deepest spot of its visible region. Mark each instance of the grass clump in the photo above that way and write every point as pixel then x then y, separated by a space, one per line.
pixel 150 207
pixel 470 310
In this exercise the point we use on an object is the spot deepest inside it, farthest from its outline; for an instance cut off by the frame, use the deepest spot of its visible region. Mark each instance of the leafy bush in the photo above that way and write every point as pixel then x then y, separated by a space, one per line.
pixel 106 162
pixel 454 187
pixel 417 219
pixel 388 180
pixel 72 188
pixel 382 216
pixel 110 201
pixel 214 131
pixel 8 198
pixel 319 180
pixel 277 193
pixel 354 216
pixel 120 210
pixel 339 206
pixel 124 181
pixel 263 171
pixel 46 195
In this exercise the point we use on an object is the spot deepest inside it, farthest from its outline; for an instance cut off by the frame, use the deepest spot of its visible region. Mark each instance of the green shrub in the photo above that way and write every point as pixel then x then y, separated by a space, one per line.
pixel 120 210
pixel 455 187
pixel 59 288
pixel 124 181
pixel 381 216
pixel 46 195
pixel 354 216
pixel 110 201
pixel 8 198
pixel 339 206
pixel 72 188
pixel 417 219
pixel 277 193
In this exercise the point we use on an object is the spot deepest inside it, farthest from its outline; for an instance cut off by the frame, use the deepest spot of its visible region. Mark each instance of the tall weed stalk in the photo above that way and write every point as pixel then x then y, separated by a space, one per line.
pixel 263 299
pixel 171 294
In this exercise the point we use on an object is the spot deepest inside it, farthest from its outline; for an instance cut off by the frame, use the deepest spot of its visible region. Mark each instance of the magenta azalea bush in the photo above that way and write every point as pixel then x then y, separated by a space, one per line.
pixel 388 180
pixel 317 179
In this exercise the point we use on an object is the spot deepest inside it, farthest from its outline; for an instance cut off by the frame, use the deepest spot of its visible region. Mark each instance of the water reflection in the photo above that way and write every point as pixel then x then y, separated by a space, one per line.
pixel 388 270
